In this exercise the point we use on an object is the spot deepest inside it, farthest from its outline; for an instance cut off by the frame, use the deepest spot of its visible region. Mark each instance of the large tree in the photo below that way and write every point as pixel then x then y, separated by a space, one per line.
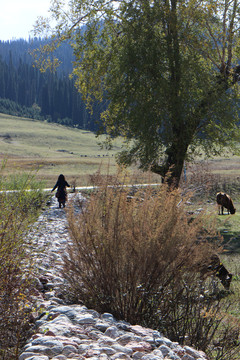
pixel 167 72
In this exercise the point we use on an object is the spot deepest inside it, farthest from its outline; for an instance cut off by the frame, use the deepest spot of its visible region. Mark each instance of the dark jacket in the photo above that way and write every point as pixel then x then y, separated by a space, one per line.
pixel 60 185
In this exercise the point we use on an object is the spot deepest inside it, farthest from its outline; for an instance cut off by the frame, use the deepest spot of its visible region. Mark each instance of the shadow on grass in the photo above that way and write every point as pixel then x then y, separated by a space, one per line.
pixel 229 227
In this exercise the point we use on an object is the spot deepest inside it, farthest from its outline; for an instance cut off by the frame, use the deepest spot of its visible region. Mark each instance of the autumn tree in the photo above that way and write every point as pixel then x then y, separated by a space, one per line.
pixel 167 72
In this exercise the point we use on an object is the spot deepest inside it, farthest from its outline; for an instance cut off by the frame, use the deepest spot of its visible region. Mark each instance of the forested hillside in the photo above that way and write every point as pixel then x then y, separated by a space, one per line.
pixel 25 91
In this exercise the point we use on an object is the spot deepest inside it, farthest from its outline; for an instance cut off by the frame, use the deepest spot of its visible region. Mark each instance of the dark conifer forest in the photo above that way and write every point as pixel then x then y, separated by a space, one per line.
pixel 25 91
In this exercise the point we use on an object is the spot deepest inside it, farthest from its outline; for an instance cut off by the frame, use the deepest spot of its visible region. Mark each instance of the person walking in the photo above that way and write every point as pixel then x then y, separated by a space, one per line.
pixel 61 193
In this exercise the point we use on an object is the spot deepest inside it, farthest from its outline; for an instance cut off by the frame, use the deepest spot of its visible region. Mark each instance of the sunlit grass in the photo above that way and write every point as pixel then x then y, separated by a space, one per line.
pixel 52 149
pixel 229 226
pixel 24 137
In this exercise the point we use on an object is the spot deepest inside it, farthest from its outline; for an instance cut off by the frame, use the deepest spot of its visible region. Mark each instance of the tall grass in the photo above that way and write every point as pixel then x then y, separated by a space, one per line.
pixel 18 211
pixel 140 258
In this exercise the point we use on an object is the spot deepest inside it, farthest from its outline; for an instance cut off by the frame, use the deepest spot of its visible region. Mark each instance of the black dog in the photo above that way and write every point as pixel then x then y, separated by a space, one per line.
pixel 217 268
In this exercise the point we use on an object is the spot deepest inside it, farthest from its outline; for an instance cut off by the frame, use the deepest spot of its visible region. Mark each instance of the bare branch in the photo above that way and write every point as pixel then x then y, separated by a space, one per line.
pixel 214 39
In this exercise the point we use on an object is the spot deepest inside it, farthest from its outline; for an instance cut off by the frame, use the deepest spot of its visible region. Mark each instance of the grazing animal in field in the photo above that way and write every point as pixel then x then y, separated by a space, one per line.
pixel 61 193
pixel 224 201
pixel 217 269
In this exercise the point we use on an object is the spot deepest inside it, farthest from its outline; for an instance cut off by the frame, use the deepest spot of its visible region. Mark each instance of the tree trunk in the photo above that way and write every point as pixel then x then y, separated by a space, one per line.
pixel 171 170
pixel 176 152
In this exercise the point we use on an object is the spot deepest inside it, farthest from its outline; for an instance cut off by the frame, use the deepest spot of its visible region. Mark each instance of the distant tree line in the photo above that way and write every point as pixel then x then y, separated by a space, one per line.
pixel 25 91
pixel 12 108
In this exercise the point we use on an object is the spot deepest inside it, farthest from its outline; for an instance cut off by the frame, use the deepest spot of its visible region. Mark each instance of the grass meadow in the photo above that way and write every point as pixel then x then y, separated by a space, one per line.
pixel 51 149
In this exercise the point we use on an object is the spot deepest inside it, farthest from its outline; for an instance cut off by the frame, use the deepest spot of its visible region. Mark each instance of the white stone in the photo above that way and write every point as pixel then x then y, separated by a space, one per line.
pixel 112 332
pixel 123 349
pixel 85 319
pixel 68 349
pixel 105 340
pixel 82 348
pixel 164 350
pixel 194 353
pixel 107 317
pixel 47 341
pixel 158 353
pixel 137 355
pixel 188 357
pixel 31 355
pixel 151 357
pixel 120 356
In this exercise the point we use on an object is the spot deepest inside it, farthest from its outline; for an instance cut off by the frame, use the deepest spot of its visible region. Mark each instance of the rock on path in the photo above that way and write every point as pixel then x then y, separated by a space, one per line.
pixel 74 331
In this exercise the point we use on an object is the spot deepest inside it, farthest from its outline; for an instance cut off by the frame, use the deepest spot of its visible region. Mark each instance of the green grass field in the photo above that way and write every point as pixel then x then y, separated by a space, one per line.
pixel 51 149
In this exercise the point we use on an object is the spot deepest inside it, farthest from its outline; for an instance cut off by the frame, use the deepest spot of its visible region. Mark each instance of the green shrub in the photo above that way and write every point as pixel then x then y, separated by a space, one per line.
pixel 18 211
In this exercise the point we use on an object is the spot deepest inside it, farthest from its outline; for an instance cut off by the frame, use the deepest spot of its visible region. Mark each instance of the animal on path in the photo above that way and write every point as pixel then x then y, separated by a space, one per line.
pixel 216 268
pixel 224 201
pixel 61 193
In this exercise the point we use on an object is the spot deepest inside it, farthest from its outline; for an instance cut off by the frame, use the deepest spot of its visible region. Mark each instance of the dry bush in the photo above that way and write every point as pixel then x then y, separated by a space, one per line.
pixel 98 179
pixel 18 210
pixel 124 251
pixel 204 184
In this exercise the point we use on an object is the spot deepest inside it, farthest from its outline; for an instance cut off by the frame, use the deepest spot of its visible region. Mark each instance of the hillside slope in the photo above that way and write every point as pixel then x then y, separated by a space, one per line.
pixel 50 148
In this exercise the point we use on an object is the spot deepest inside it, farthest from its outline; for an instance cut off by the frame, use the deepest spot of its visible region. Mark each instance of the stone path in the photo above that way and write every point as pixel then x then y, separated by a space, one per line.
pixel 75 332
